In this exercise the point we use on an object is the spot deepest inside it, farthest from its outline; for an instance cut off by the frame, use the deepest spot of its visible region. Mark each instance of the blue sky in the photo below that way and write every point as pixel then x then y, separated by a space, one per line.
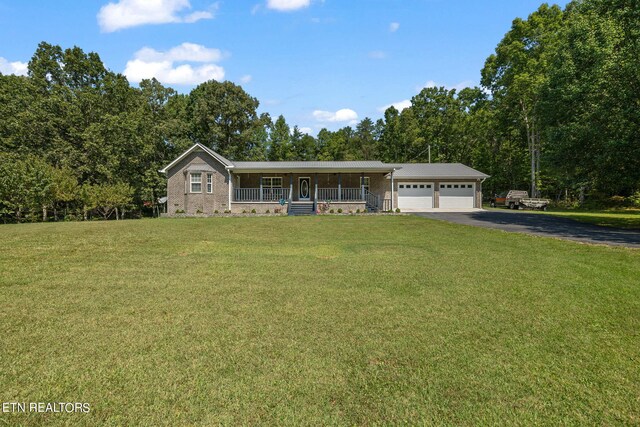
pixel 321 63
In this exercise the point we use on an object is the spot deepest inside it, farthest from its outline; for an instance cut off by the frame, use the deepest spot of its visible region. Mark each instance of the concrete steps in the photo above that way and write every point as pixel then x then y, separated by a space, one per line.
pixel 301 209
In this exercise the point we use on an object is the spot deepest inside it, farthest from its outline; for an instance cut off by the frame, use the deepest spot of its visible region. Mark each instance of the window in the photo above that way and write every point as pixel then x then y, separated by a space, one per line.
pixel 428 185
pixel 271 182
pixel 455 186
pixel 415 186
pixel 448 185
pixel 364 180
pixel 209 183
pixel 401 186
pixel 196 182
pixel 421 185
pixel 469 186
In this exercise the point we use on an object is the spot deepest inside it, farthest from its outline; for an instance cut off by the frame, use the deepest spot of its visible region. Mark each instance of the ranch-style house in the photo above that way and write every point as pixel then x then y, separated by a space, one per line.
pixel 201 181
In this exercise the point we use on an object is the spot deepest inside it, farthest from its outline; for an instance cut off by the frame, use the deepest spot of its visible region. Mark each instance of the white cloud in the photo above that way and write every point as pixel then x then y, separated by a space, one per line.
pixel 306 130
pixel 18 68
pixel 394 26
pixel 400 105
pixel 246 79
pixel 377 54
pixel 186 52
pixel 132 13
pixel 458 87
pixel 287 5
pixel 343 115
pixel 148 63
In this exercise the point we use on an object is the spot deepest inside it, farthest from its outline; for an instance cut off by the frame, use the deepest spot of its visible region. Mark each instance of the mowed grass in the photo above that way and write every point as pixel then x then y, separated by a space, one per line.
pixel 628 218
pixel 623 218
pixel 316 320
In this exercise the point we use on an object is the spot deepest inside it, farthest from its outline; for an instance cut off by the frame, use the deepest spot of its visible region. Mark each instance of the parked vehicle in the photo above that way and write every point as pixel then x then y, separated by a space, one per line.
pixel 518 199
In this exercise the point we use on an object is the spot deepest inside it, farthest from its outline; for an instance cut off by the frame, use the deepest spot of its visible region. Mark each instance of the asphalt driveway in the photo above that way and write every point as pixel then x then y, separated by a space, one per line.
pixel 541 225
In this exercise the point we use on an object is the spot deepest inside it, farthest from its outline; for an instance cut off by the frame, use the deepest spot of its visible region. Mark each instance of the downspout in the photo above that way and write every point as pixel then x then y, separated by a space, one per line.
pixel 394 169
pixel 230 189
pixel 481 182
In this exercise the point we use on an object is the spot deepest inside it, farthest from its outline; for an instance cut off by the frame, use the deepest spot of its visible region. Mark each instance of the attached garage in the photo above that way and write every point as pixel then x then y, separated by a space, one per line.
pixel 454 195
pixel 415 195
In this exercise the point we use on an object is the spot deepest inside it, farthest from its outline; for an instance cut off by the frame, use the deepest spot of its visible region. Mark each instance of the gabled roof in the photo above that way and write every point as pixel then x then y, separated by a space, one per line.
pixel 305 166
pixel 401 170
pixel 198 147
pixel 435 170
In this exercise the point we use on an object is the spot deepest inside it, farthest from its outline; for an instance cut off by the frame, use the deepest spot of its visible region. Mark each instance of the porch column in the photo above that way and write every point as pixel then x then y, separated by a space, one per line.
pixel 290 187
pixel 339 186
pixel 261 197
pixel 315 192
pixel 362 186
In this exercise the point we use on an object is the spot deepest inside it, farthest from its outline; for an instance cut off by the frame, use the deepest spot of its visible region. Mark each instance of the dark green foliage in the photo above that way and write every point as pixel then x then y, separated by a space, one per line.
pixel 558 111
pixel 591 105
pixel 223 116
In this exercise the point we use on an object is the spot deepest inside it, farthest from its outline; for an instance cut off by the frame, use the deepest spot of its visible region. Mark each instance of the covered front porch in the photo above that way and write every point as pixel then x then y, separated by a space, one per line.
pixel 349 191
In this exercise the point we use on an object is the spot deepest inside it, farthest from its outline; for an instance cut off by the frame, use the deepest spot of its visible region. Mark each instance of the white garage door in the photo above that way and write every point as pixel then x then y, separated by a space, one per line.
pixel 415 195
pixel 457 194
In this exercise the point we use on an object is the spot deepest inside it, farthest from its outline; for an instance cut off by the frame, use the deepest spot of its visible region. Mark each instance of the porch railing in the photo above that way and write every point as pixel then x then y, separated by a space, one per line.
pixel 253 194
pixel 371 200
pixel 351 194
pixel 328 194
pixel 346 194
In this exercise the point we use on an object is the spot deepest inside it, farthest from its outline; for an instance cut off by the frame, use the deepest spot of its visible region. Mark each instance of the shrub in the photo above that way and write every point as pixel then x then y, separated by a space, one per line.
pixel 365 210
pixel 216 211
pixel 244 211
pixel 227 211
pixel 358 210
pixel 350 212
pixel 267 211
pixel 179 211
pixel 331 211
pixel 397 210
pixel 635 199
pixel 324 207
pixel 339 210
pixel 198 211
pixel 253 211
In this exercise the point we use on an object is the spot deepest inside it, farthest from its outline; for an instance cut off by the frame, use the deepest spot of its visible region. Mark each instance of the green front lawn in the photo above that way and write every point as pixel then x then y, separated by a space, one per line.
pixel 626 218
pixel 316 320
pixel 619 218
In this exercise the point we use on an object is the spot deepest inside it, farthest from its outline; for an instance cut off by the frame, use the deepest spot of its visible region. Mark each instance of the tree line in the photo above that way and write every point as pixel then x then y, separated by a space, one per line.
pixel 557 112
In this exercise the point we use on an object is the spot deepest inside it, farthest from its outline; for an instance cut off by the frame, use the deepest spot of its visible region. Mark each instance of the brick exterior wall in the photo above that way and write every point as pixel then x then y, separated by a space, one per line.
pixel 347 207
pixel 260 207
pixel 179 197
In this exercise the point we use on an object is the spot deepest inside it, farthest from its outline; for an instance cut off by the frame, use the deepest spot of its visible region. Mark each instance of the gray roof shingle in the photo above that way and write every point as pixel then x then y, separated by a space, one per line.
pixel 435 170
pixel 308 165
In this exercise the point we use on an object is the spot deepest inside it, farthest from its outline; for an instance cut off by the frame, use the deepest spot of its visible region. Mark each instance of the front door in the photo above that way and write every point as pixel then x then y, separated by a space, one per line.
pixel 303 188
